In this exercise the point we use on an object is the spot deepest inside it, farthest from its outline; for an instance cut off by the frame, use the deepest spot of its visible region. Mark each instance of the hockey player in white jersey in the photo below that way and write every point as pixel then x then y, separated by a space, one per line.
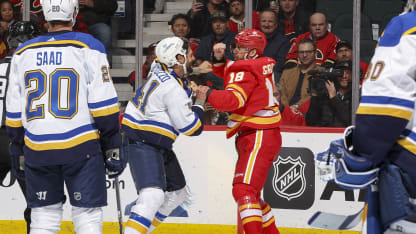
pixel 62 114
pixel 160 110
pixel 381 149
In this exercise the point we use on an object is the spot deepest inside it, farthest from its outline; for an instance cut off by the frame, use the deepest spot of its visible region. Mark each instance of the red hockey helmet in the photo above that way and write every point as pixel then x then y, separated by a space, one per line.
pixel 252 39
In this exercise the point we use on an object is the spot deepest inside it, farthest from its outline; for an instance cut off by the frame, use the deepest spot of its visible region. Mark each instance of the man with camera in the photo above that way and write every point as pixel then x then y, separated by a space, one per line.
pixel 331 96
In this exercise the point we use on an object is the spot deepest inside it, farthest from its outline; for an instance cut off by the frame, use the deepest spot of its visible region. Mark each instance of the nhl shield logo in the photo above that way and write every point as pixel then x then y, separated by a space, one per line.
pixel 77 196
pixel 289 177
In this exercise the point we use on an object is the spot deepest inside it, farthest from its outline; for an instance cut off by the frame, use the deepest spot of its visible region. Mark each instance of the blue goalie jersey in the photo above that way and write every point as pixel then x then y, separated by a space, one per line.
pixel 385 121
pixel 61 103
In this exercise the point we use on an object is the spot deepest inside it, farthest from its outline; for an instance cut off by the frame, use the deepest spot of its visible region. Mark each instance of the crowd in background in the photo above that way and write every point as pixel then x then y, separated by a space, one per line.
pixel 298 38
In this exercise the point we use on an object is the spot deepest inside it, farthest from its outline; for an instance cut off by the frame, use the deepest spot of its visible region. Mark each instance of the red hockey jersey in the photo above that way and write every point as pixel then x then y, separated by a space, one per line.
pixel 248 93
pixel 325 49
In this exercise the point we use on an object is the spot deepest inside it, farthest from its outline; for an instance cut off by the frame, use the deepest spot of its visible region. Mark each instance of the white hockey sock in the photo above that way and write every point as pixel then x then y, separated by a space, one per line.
pixel 87 220
pixel 46 219
pixel 149 201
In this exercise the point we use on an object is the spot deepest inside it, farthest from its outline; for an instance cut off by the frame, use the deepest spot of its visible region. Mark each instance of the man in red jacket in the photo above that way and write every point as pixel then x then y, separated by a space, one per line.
pixel 325 42
pixel 255 118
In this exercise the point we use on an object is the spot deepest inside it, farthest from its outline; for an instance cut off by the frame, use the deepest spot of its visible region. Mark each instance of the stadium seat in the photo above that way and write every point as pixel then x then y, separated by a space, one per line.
pixel 367 49
pixel 343 27
pixel 377 9
pixel 333 8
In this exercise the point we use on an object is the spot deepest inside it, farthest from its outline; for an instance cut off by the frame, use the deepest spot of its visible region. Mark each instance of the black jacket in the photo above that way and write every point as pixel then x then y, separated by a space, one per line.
pixel 101 13
pixel 325 112
pixel 204 50
pixel 301 23
pixel 276 48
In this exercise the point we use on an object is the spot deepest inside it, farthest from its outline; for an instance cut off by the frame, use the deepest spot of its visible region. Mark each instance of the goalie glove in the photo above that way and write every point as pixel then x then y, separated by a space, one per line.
pixel 114 162
pixel 346 168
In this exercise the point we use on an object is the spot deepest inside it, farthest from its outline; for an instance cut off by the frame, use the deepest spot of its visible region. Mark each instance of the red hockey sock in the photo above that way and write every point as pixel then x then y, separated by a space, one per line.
pixel 269 226
pixel 250 214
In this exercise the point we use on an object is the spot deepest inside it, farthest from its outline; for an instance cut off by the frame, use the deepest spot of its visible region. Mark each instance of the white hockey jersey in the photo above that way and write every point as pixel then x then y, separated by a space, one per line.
pixel 61 93
pixel 385 121
pixel 161 109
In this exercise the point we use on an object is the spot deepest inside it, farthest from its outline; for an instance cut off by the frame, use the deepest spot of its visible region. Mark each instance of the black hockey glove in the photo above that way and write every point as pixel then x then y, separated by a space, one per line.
pixel 115 162
pixel 18 161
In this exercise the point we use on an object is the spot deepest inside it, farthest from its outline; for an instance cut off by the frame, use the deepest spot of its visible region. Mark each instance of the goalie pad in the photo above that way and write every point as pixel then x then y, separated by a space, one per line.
pixel 397 191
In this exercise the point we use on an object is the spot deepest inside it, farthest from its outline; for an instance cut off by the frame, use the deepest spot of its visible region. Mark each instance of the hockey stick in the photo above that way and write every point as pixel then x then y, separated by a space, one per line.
pixel 331 221
pixel 119 212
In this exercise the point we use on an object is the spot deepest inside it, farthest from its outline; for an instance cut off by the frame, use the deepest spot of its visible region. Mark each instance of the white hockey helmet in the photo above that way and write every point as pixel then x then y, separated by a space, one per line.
pixel 62 10
pixel 168 48
pixel 410 6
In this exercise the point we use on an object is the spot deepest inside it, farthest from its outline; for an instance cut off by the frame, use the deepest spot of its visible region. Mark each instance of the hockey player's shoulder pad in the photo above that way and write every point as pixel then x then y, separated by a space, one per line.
pixel 397 28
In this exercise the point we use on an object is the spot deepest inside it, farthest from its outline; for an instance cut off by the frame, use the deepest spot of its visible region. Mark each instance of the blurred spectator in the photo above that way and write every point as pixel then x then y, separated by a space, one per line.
pixel 295 81
pixel 325 42
pixel 180 25
pixel 97 14
pixel 150 56
pixel 293 20
pixel 277 44
pixel 153 6
pixel 200 15
pixel 331 105
pixel 7 17
pixel 290 116
pixel 220 34
pixel 237 17
pixel 344 52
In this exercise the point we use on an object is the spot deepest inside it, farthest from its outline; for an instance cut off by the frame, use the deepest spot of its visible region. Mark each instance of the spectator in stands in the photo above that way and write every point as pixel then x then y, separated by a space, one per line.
pixel 200 15
pixel 293 21
pixel 344 52
pixel 277 44
pixel 180 25
pixel 97 14
pixel 325 42
pixel 290 116
pixel 7 17
pixel 220 34
pixel 295 81
pixel 330 104
pixel 237 17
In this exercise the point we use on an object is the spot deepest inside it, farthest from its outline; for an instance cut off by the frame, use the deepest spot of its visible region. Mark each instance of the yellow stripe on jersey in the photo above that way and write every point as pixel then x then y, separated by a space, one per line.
pixel 256 120
pixel 14 123
pixel 265 210
pixel 387 111
pixel 105 112
pixel 149 128
pixel 253 156
pixel 240 99
pixel 196 127
pixel 407 145
pixel 63 42
pixel 239 89
pixel 141 229
pixel 61 145
pixel 409 31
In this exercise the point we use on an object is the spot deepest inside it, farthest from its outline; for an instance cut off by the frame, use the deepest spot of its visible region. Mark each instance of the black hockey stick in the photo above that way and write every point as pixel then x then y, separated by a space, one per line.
pixel 119 212
pixel 331 221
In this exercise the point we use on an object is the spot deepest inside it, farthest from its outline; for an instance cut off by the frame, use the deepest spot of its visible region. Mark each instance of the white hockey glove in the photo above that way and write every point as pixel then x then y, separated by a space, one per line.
pixel 114 162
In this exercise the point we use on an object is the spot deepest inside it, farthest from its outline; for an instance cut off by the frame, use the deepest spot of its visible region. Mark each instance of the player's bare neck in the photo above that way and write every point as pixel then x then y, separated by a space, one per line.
pixel 59 28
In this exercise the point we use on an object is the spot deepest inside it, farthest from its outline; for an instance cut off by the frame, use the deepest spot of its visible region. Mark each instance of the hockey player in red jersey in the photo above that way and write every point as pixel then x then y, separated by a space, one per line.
pixel 255 118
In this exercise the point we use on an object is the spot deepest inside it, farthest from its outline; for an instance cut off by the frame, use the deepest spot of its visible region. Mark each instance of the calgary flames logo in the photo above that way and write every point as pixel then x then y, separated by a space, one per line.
pixel 289 177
